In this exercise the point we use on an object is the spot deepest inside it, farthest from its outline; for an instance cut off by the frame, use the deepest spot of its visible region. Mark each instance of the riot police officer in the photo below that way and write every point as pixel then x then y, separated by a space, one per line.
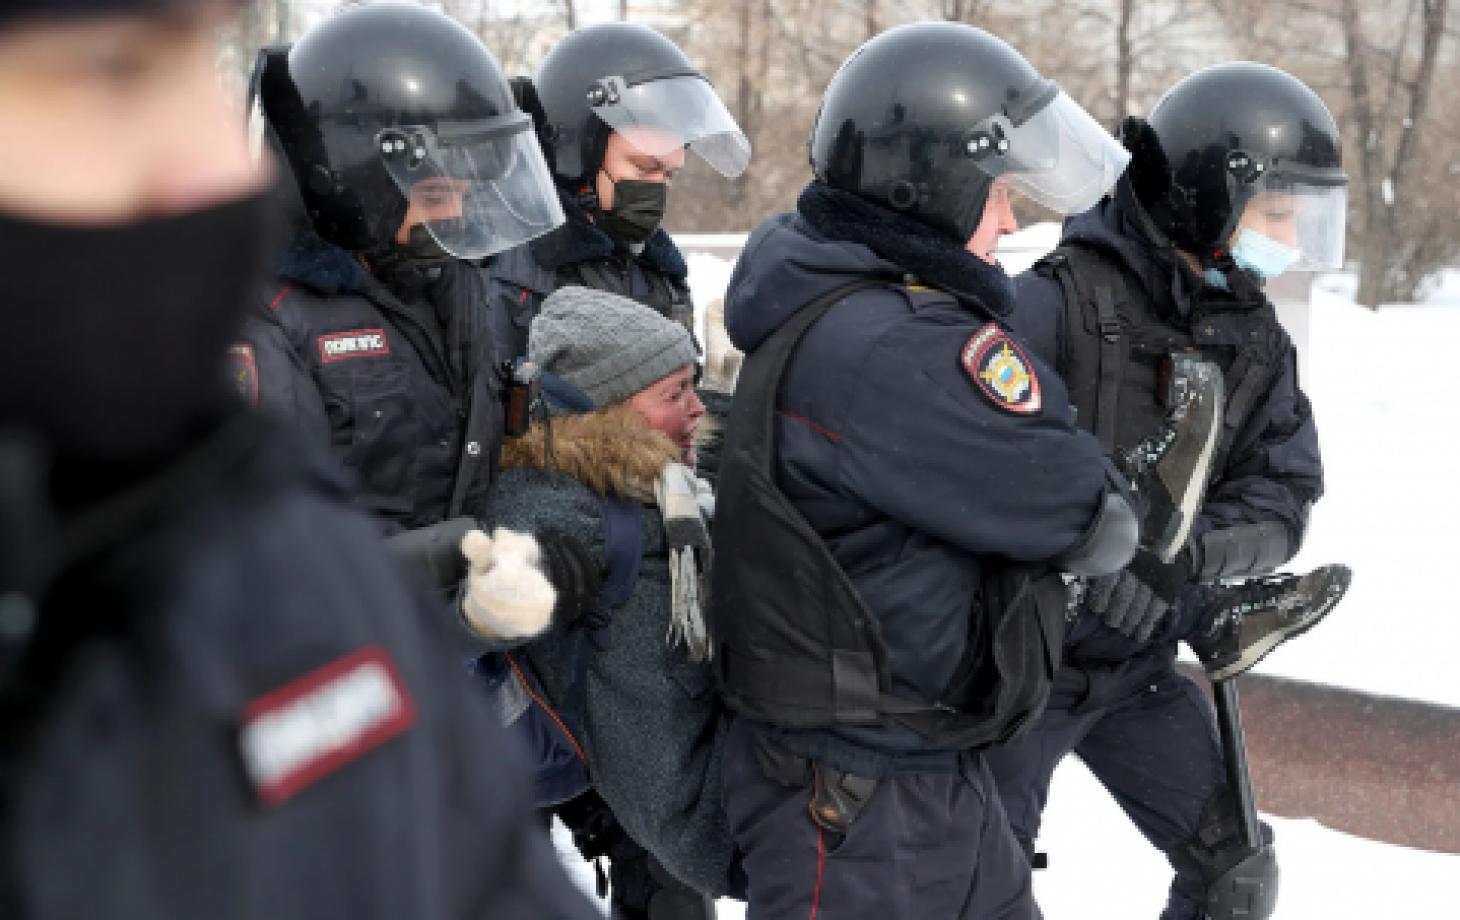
pixel 1235 177
pixel 411 163
pixel 899 476
pixel 217 698
pixel 617 106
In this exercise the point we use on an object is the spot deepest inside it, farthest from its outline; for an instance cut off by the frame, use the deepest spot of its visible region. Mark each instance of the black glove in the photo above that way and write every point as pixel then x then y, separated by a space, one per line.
pixel 573 573
pixel 1134 600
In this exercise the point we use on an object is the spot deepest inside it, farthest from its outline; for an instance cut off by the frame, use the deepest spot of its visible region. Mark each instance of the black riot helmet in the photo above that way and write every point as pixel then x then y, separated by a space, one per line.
pixel 625 77
pixel 923 118
pixel 1238 136
pixel 387 104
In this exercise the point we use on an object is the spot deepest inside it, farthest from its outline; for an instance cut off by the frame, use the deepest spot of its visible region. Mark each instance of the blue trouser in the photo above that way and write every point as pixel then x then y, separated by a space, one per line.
pixel 926 845
pixel 1149 735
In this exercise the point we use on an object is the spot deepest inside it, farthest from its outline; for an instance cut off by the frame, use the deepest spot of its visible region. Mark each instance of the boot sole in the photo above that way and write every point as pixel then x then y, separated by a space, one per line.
pixel 1260 649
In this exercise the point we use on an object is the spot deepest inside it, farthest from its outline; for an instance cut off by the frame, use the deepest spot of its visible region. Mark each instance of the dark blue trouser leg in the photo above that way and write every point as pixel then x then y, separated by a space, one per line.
pixel 1154 748
pixel 926 845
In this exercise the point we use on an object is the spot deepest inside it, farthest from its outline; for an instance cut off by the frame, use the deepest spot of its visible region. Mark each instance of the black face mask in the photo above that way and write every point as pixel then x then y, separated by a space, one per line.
pixel 407 268
pixel 113 339
pixel 638 210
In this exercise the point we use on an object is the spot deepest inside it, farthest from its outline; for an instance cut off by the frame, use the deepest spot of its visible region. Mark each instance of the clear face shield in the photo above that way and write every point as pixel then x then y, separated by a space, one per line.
pixel 1055 154
pixel 1306 218
pixel 665 114
pixel 478 187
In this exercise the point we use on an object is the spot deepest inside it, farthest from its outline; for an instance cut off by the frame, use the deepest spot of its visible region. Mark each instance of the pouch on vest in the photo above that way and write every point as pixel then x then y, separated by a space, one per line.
pixel 797 648
pixel 551 730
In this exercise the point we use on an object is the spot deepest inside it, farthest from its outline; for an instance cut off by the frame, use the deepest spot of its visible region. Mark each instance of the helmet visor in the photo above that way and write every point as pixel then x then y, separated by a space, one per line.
pixel 1059 156
pixel 669 113
pixel 477 187
pixel 1303 216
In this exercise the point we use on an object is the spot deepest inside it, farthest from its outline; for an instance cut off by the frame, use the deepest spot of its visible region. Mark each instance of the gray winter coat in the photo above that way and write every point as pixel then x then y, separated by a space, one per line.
pixel 654 727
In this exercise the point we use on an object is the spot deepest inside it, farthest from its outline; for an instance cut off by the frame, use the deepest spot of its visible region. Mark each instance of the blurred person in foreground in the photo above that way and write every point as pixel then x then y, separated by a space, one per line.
pixel 216 696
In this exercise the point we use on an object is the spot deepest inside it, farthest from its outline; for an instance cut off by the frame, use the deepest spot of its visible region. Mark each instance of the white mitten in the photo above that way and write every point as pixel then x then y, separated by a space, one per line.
pixel 507 595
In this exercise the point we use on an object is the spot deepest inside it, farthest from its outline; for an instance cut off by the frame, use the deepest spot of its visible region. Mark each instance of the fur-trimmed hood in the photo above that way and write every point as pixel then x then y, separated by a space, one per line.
pixel 611 451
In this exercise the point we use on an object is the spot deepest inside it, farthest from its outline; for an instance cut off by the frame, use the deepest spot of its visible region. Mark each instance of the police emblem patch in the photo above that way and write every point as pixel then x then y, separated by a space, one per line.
pixel 309 728
pixel 243 370
pixel 358 343
pixel 1001 371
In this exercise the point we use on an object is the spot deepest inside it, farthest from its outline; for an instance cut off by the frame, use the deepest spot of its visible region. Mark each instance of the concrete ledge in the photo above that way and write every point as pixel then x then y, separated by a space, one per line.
pixel 1383 768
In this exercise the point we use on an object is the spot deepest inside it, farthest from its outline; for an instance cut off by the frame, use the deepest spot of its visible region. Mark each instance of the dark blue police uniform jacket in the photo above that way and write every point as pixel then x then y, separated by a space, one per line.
pixel 407 395
pixel 907 467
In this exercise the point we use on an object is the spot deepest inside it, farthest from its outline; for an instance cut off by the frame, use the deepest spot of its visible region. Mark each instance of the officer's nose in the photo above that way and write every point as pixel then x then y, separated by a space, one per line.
pixel 1008 223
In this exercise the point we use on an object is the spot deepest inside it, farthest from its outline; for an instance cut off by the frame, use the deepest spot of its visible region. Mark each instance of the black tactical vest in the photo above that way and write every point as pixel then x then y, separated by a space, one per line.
pixel 1114 349
pixel 797 648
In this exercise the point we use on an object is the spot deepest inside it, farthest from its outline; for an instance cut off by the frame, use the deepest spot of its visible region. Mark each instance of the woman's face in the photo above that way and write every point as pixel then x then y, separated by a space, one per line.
pixel 671 407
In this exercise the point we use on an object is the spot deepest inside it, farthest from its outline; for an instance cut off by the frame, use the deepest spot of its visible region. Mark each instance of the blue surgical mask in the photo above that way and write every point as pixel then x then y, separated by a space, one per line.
pixel 1261 255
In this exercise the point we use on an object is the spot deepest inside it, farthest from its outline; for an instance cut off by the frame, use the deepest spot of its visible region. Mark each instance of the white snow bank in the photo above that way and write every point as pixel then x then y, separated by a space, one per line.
pixel 1384 387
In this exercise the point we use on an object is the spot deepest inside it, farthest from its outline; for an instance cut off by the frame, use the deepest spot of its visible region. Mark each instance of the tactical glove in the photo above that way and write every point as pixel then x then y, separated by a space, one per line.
pixel 1134 600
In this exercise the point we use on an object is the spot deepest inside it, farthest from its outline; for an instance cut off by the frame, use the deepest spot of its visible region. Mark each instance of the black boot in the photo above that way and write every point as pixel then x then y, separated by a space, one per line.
pixel 1169 469
pixel 1248 620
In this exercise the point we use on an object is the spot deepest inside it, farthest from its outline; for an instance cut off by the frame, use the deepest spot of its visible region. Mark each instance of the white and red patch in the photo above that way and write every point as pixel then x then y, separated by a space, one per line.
pixel 311 727
pixel 1001 371
pixel 244 372
pixel 357 343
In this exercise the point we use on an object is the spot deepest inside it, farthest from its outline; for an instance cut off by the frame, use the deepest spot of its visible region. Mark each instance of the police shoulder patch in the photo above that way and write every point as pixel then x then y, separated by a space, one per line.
pixel 243 370
pixel 1001 371
pixel 311 727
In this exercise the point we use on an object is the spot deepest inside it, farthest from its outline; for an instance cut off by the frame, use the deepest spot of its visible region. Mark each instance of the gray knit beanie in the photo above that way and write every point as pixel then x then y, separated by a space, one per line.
pixel 609 346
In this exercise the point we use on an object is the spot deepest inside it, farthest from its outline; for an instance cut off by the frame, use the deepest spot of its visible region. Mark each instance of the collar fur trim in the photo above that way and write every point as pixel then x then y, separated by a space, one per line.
pixel 612 451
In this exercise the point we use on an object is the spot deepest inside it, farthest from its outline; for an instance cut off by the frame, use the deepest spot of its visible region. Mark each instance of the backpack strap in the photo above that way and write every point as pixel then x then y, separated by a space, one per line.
pixel 1102 289
pixel 623 544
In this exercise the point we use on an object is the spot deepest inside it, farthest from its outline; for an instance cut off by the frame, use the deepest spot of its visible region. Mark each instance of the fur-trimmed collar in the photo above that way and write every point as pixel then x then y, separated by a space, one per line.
pixel 578 240
pixel 913 246
pixel 325 268
pixel 611 451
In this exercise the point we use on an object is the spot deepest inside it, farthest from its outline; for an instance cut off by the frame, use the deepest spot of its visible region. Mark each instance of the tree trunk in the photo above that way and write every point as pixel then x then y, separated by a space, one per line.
pixel 1388 271
pixel 745 95
pixel 1124 60
pixel 623 10
pixel 570 13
